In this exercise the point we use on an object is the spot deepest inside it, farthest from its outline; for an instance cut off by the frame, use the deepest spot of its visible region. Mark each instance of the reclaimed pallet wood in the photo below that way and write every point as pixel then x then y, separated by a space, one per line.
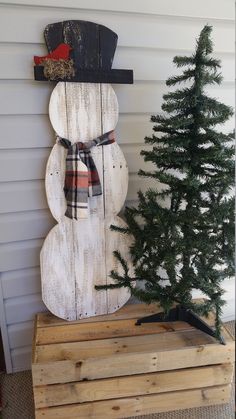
pixel 46 319
pixel 123 408
pixel 93 48
pixel 108 366
pixel 129 311
pixel 130 386
pixel 117 76
pixel 78 254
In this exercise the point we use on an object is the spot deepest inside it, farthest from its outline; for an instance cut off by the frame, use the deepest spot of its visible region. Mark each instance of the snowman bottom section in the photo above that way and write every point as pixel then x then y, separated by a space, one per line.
pixel 76 256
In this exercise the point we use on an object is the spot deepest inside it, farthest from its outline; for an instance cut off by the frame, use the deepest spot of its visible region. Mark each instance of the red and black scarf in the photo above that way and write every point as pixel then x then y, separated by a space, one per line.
pixel 81 178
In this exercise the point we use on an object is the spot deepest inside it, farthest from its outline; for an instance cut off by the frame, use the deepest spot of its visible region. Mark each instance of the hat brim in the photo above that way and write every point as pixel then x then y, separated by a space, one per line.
pixel 90 76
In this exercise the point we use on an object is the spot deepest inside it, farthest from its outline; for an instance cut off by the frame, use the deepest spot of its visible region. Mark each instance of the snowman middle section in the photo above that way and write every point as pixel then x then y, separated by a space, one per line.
pixel 78 254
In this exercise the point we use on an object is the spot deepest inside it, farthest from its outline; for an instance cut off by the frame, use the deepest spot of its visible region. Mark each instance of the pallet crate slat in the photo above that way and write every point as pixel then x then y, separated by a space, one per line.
pixel 128 311
pixel 75 351
pixel 110 388
pixel 130 364
pixel 104 330
pixel 131 344
pixel 109 367
pixel 122 408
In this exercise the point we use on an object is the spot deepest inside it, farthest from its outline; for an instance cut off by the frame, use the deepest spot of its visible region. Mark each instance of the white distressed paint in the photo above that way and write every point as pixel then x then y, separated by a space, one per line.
pixel 78 254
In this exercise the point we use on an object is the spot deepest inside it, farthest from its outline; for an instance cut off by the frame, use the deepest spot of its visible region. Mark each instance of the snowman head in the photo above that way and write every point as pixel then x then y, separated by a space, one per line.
pixel 83 111
pixel 78 111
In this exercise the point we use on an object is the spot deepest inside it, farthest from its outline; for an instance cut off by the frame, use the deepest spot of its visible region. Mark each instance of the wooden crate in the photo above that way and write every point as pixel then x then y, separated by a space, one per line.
pixel 107 367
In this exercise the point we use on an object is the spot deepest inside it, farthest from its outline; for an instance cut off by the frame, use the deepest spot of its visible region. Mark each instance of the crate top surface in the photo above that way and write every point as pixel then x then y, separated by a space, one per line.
pixel 116 334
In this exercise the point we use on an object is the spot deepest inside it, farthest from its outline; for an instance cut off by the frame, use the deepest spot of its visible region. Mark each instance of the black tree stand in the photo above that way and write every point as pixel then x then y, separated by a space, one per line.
pixel 180 313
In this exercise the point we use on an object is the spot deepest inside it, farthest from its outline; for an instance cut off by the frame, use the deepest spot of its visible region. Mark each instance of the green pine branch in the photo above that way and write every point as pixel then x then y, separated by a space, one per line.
pixel 182 230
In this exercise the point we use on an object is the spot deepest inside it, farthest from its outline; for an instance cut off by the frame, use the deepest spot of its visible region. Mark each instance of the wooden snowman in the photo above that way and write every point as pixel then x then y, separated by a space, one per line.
pixel 86 175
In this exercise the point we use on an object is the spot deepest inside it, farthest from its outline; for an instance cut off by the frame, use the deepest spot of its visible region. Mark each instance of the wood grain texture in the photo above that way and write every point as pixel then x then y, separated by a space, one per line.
pixel 121 346
pixel 129 311
pixel 95 368
pixel 105 330
pixel 161 382
pixel 77 255
pixel 76 361
pixel 126 407
pixel 150 51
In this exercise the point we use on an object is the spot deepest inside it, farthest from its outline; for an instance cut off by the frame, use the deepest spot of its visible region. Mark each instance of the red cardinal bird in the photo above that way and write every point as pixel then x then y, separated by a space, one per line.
pixel 61 52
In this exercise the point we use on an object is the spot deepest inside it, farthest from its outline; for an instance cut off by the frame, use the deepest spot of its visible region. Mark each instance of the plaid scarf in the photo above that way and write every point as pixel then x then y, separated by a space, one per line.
pixel 81 178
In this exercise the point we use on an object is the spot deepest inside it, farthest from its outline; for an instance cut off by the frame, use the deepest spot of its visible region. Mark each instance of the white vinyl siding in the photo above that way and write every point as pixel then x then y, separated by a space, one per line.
pixel 150 33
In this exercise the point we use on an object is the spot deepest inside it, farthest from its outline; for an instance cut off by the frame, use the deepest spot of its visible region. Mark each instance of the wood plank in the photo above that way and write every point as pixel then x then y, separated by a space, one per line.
pixel 122 408
pixel 119 76
pixel 129 311
pixel 105 330
pixel 57 279
pixel 79 331
pixel 108 347
pixel 116 179
pixel 115 167
pixel 81 245
pixel 121 345
pixel 138 360
pixel 111 388
pixel 126 312
pixel 114 241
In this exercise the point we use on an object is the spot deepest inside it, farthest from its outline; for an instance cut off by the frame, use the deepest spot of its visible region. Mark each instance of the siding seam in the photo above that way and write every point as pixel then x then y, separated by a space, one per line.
pixel 120 12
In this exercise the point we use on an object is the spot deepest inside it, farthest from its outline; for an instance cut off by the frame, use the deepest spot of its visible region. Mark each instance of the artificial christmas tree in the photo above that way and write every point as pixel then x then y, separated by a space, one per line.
pixel 183 235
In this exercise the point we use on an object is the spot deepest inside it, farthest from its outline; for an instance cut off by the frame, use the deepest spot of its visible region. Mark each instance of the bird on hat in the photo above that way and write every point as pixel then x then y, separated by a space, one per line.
pixel 61 52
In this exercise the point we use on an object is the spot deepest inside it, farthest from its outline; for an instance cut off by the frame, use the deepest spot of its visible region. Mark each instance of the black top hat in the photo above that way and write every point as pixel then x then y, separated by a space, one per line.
pixel 91 50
